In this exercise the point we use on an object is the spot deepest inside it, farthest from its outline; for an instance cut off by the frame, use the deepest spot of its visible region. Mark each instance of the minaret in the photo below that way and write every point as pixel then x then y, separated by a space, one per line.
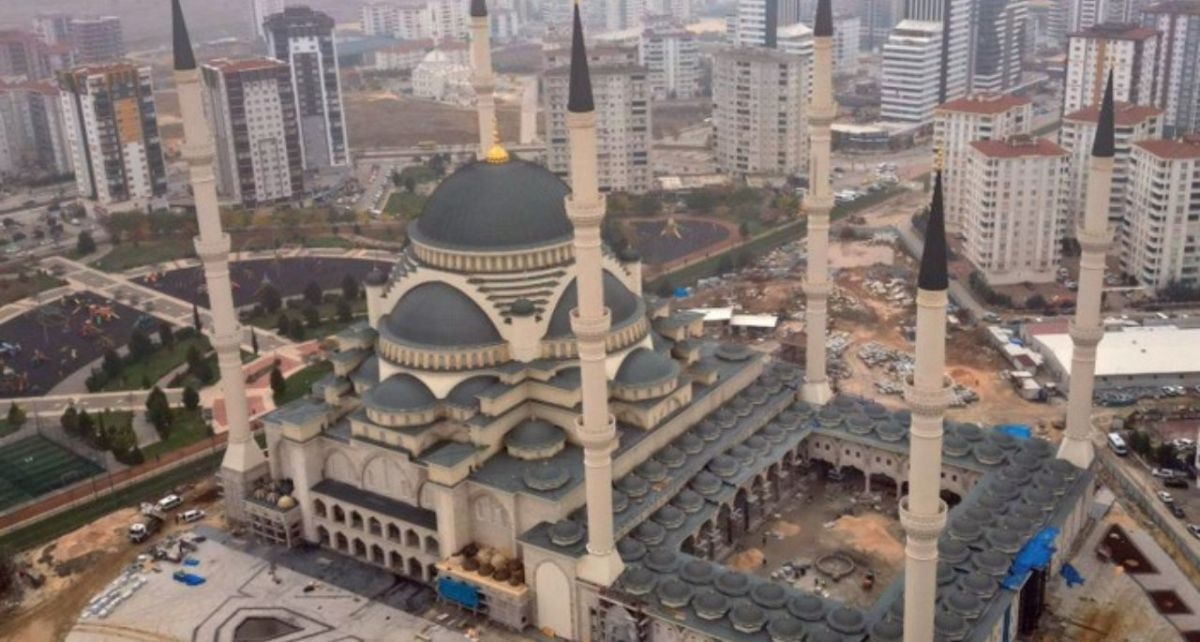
pixel 1086 328
pixel 482 77
pixel 922 511
pixel 244 461
pixel 590 321
pixel 817 204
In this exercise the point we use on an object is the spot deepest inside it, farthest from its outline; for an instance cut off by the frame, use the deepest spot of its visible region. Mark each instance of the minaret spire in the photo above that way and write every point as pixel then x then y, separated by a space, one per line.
pixel 922 511
pixel 1086 329
pixel 244 461
pixel 817 205
pixel 590 322
pixel 483 78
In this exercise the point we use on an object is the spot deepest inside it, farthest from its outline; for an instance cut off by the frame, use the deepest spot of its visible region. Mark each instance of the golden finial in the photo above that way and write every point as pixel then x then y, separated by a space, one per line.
pixel 497 154
pixel 939 159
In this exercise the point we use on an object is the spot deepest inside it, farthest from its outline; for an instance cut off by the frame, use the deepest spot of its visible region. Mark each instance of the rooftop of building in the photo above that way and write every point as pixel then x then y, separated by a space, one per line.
pixel 986 103
pixel 1178 7
pixel 1125 115
pixel 1017 147
pixel 36 86
pixel 1184 148
pixel 1135 351
pixel 1116 31
pixel 408 46
pixel 227 65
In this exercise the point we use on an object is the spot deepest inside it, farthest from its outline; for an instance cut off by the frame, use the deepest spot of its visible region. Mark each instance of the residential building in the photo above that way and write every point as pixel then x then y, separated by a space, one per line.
pixel 620 15
pixel 303 38
pixel 1178 23
pixel 112 131
pixel 1084 14
pixel 444 75
pixel 759 111
pixel 1131 123
pixel 757 22
pixel 449 19
pixel 1163 243
pixel 97 39
pixel 253 114
pixel 960 122
pixel 1011 230
pixel 402 56
pixel 956 19
pixel 23 55
pixel 846 44
pixel 32 128
pixel 878 19
pixel 1129 51
pixel 260 10
pixel 53 28
pixel 623 116
pixel 999 44
pixel 672 62
pixel 912 70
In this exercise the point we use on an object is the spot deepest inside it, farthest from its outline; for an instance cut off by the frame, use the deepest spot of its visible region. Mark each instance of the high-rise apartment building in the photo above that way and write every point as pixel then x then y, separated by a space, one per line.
pixel 1131 123
pixel 1011 230
pixel 621 91
pixel 53 28
pixel 956 19
pixel 260 10
pixel 847 44
pixel 32 130
pixel 1084 14
pixel 1129 51
pixel 620 15
pixel 403 20
pixel 23 55
pixel 878 19
pixel 912 69
pixel 758 21
pixel 253 115
pixel 672 61
pixel 303 38
pixel 759 106
pixel 97 39
pixel 1163 244
pixel 999 44
pixel 1178 23
pixel 959 123
pixel 112 131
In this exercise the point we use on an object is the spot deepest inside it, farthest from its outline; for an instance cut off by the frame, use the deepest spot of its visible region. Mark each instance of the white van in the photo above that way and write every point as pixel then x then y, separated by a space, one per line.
pixel 1117 444
pixel 192 515
pixel 169 502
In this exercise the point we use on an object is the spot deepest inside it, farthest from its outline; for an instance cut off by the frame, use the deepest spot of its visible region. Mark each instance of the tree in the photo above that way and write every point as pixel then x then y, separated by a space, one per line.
pixel 254 341
pixel 345 315
pixel 191 398
pixel 166 334
pixel 10 584
pixel 269 297
pixel 312 317
pixel 122 441
pixel 87 427
pixel 278 383
pixel 744 229
pixel 158 411
pixel 410 184
pixel 284 325
pixel 1165 456
pixel 196 318
pixel 349 287
pixel 16 417
pixel 194 358
pixel 297 331
pixel 312 293
pixel 140 344
pixel 1035 302
pixel 112 364
pixel 70 421
pixel 85 244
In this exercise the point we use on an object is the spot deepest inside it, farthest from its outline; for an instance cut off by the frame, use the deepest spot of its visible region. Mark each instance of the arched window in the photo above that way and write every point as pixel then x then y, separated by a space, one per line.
pixel 431 545
pixel 339 515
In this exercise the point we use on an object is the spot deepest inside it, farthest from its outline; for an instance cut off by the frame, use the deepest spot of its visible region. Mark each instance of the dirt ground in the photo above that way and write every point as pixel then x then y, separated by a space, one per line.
pixel 78 565
pixel 383 119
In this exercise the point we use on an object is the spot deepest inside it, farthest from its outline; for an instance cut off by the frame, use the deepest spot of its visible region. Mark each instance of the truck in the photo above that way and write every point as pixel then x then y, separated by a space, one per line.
pixel 146 526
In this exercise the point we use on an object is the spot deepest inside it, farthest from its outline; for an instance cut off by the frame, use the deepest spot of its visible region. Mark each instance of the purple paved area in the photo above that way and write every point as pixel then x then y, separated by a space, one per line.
pixel 657 247
pixel 61 337
pixel 289 276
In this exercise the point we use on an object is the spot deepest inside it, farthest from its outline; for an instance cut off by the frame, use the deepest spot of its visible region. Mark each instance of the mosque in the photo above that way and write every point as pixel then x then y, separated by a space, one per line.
pixel 521 427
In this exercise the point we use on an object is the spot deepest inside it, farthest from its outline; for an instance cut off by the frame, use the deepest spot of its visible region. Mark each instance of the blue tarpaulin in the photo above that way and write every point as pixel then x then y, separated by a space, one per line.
pixel 458 592
pixel 1020 431
pixel 1035 554
pixel 191 579
pixel 681 293
pixel 191 561
pixel 1071 575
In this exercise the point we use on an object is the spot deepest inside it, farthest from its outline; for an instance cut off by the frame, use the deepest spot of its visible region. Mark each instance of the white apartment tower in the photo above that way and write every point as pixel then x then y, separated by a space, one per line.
pixel 847 44
pixel 97 39
pixel 757 22
pixel 998 44
pixel 1178 23
pixel 912 67
pixel 53 28
pixel 304 39
pixel 623 119
pixel 960 122
pixel 956 19
pixel 1131 123
pixel 402 20
pixel 112 130
pixel 260 10
pixel 32 129
pixel 620 15
pixel 1163 244
pixel 1130 51
pixel 1011 230
pixel 672 60
pixel 250 106
pixel 759 107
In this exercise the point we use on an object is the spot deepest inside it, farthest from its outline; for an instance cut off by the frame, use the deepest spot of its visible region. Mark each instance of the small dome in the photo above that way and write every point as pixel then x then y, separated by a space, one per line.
pixel 375 277
pixel 697 572
pixel 785 628
pixel 546 477
pixel 645 367
pixel 534 439
pixel 710 605
pixel 846 620
pixel 769 596
pixel 809 608
pixel 747 618
pixel 436 314
pixel 732 584
pixel 661 560
pixel 566 533
pixel 631 550
pixel 522 308
pixel 617 297
pixel 286 502
pixel 495 206
pixel 399 393
pixel 638 581
pixel 466 393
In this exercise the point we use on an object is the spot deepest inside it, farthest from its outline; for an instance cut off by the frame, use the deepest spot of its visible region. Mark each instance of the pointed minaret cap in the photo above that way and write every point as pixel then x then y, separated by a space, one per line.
pixel 478 8
pixel 184 58
pixel 823 26
pixel 1104 145
pixel 933 274
pixel 580 99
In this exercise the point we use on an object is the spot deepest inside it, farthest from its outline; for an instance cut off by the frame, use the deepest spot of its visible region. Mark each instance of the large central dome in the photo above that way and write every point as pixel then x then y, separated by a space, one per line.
pixel 495 206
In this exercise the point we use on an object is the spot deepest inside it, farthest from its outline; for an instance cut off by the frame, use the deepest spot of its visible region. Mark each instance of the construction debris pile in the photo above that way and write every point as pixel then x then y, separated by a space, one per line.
pixel 897 368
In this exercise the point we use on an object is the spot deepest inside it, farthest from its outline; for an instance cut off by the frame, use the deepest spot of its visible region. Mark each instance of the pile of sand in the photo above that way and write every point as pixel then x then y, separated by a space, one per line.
pixel 746 560
pixel 784 528
pixel 868 534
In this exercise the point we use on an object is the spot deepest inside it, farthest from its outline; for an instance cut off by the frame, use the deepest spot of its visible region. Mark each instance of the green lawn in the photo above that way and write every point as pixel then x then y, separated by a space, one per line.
pixel 404 205
pixel 130 255
pixel 187 428
pixel 156 364
pixel 301 382
pixel 329 321
pixel 328 241
pixel 5 428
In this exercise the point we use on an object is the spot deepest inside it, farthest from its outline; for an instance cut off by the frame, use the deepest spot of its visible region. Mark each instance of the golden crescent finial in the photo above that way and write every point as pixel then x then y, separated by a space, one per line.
pixel 497 154
pixel 939 159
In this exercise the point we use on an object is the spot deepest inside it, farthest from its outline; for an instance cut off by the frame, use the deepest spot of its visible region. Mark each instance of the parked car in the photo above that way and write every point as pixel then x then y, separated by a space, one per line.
pixel 1194 529
pixel 1177 511
pixel 192 515
pixel 1165 497
pixel 169 502
pixel 1175 482
pixel 1162 473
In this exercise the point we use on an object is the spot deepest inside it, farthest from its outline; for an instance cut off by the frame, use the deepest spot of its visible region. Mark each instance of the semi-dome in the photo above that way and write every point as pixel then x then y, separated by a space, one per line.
pixel 399 393
pixel 617 297
pixel 534 439
pixel 644 367
pixel 495 206
pixel 436 314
